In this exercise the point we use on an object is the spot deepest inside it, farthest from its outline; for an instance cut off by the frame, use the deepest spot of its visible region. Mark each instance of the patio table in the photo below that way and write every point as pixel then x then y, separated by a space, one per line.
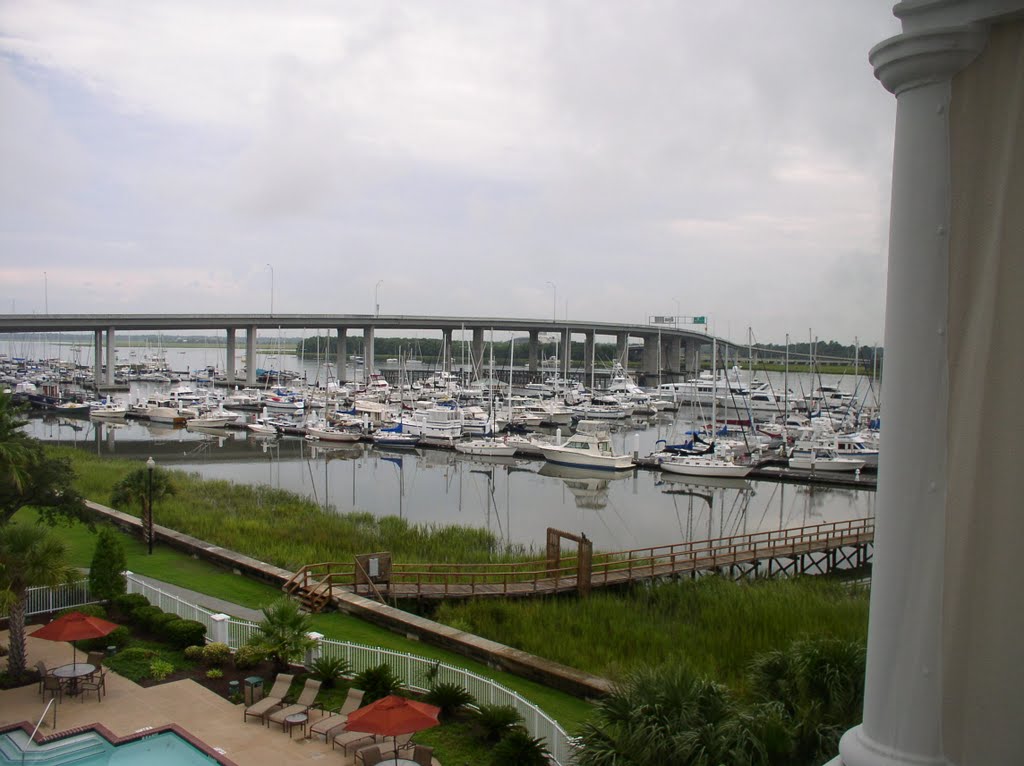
pixel 71 673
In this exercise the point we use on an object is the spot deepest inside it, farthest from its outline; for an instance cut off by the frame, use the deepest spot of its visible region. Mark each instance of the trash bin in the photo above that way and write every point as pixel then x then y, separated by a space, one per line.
pixel 232 690
pixel 112 650
pixel 253 689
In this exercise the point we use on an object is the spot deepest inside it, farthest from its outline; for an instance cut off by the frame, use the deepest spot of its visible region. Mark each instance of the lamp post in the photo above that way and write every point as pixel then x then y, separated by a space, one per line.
pixel 150 464
pixel 554 301
pixel 271 290
pixel 376 296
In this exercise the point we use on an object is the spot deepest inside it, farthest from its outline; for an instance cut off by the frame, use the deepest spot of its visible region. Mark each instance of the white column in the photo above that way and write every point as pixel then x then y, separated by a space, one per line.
pixel 314 652
pixel 903 702
pixel 219 634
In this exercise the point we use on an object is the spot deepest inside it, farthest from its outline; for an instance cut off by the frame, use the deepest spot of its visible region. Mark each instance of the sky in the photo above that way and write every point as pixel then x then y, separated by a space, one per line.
pixel 604 160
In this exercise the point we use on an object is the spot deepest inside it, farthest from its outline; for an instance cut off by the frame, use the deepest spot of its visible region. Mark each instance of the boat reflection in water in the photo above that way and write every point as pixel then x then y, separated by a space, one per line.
pixel 709 499
pixel 589 486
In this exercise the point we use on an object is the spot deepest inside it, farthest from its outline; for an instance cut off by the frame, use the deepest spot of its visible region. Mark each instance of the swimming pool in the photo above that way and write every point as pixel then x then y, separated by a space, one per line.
pixel 164 748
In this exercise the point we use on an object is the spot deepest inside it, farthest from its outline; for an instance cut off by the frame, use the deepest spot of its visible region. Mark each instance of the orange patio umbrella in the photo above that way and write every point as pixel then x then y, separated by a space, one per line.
pixel 392 716
pixel 75 626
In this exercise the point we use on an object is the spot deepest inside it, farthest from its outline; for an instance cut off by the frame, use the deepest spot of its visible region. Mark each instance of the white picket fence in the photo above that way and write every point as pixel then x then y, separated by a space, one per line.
pixel 43 600
pixel 414 671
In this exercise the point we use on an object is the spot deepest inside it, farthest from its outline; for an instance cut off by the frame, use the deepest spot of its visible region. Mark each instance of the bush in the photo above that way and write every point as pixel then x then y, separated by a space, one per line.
pixel 248 657
pixel 118 637
pixel 160 669
pixel 495 721
pixel 126 603
pixel 158 622
pixel 92 610
pixel 377 682
pixel 450 697
pixel 141 615
pixel 216 654
pixel 183 633
pixel 106 573
pixel 194 653
pixel 518 748
pixel 329 670
pixel 214 673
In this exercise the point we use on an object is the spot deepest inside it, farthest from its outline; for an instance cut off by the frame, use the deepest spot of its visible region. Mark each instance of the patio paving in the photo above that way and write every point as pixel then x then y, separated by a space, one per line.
pixel 128 707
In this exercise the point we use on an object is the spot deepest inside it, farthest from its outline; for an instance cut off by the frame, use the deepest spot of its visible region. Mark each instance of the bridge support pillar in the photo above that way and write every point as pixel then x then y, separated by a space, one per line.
pixel 588 357
pixel 368 353
pixel 97 355
pixel 673 353
pixel 111 355
pixel 250 355
pixel 446 348
pixel 477 352
pixel 943 655
pixel 691 351
pixel 229 361
pixel 533 350
pixel 341 357
pixel 622 349
pixel 652 348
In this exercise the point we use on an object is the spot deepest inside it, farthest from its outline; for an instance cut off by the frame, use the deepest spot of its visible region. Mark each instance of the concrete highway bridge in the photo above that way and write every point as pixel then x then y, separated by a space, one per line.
pixel 668 348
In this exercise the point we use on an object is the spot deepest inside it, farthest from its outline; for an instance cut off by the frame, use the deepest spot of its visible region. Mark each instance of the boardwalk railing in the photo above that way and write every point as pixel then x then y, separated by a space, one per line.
pixel 548 576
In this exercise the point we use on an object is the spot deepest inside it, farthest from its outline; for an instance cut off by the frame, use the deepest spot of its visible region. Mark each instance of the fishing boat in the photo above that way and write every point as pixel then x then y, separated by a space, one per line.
pixel 589 447
pixel 212 419
pixel 490 447
pixel 807 456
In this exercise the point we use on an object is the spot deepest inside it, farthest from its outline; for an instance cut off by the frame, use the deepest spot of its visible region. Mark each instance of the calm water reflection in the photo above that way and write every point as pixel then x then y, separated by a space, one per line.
pixel 516 499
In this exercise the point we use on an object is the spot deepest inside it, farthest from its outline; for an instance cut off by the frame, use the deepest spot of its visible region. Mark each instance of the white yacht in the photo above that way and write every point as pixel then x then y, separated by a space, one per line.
pixel 809 456
pixel 588 448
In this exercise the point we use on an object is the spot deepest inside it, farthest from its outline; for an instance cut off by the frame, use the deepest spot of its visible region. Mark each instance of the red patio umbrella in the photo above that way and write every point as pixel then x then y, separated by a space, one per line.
pixel 74 626
pixel 392 716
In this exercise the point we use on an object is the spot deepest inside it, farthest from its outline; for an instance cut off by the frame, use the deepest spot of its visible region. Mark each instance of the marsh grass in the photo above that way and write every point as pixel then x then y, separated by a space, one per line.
pixel 714 625
pixel 283 528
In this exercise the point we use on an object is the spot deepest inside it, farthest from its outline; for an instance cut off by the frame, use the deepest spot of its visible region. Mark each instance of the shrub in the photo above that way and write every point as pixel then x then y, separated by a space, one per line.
pixel 518 748
pixel 118 637
pixel 450 697
pixel 214 673
pixel 183 633
pixel 141 615
pixel 160 669
pixel 494 721
pixel 377 682
pixel 194 653
pixel 158 621
pixel 248 657
pixel 329 670
pixel 106 573
pixel 283 632
pixel 216 654
pixel 125 603
pixel 92 610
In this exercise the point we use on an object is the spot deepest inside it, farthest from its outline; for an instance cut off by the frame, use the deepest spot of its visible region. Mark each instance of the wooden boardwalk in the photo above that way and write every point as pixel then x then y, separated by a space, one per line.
pixel 817 547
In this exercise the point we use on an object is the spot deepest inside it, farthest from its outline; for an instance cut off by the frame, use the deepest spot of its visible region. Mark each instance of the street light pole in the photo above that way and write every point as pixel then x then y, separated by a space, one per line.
pixel 271 289
pixel 150 464
pixel 554 301
pixel 376 295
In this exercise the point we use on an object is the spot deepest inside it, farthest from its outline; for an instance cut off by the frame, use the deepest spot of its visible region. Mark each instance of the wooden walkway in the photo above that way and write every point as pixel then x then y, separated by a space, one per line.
pixel 817 547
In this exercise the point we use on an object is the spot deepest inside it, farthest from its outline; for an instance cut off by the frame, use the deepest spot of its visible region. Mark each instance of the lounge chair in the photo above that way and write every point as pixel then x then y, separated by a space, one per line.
pixel 274 699
pixel 347 739
pixel 301 705
pixel 331 724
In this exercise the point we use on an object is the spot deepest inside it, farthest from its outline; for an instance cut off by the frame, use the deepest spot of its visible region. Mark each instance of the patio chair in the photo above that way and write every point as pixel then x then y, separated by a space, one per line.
pixel 332 724
pixel 96 660
pixel 301 705
pixel 43 673
pixel 348 739
pixel 273 700
pixel 97 682
pixel 54 686
pixel 392 747
pixel 423 755
pixel 369 756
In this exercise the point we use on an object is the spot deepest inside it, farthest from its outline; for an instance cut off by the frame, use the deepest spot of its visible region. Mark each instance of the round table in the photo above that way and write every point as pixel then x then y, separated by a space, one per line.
pixel 72 673
pixel 296 719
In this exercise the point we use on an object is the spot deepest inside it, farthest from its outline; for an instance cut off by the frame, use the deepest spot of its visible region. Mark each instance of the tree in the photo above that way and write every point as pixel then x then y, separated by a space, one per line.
pixel 32 556
pixel 135 489
pixel 106 574
pixel 282 632
pixel 29 477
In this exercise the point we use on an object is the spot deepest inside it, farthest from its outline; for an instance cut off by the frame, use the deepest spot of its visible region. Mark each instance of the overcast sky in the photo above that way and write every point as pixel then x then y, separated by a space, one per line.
pixel 604 159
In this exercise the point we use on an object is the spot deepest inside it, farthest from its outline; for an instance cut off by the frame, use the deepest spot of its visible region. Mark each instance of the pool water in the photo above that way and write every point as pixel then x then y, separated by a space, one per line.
pixel 91 749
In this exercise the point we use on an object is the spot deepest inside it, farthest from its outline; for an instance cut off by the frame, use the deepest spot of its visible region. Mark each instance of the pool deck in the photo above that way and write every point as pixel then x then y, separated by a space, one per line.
pixel 128 708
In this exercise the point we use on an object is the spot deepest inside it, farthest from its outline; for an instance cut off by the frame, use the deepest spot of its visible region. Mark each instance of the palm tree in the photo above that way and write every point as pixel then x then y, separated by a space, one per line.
pixel 32 556
pixel 135 489
pixel 282 632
